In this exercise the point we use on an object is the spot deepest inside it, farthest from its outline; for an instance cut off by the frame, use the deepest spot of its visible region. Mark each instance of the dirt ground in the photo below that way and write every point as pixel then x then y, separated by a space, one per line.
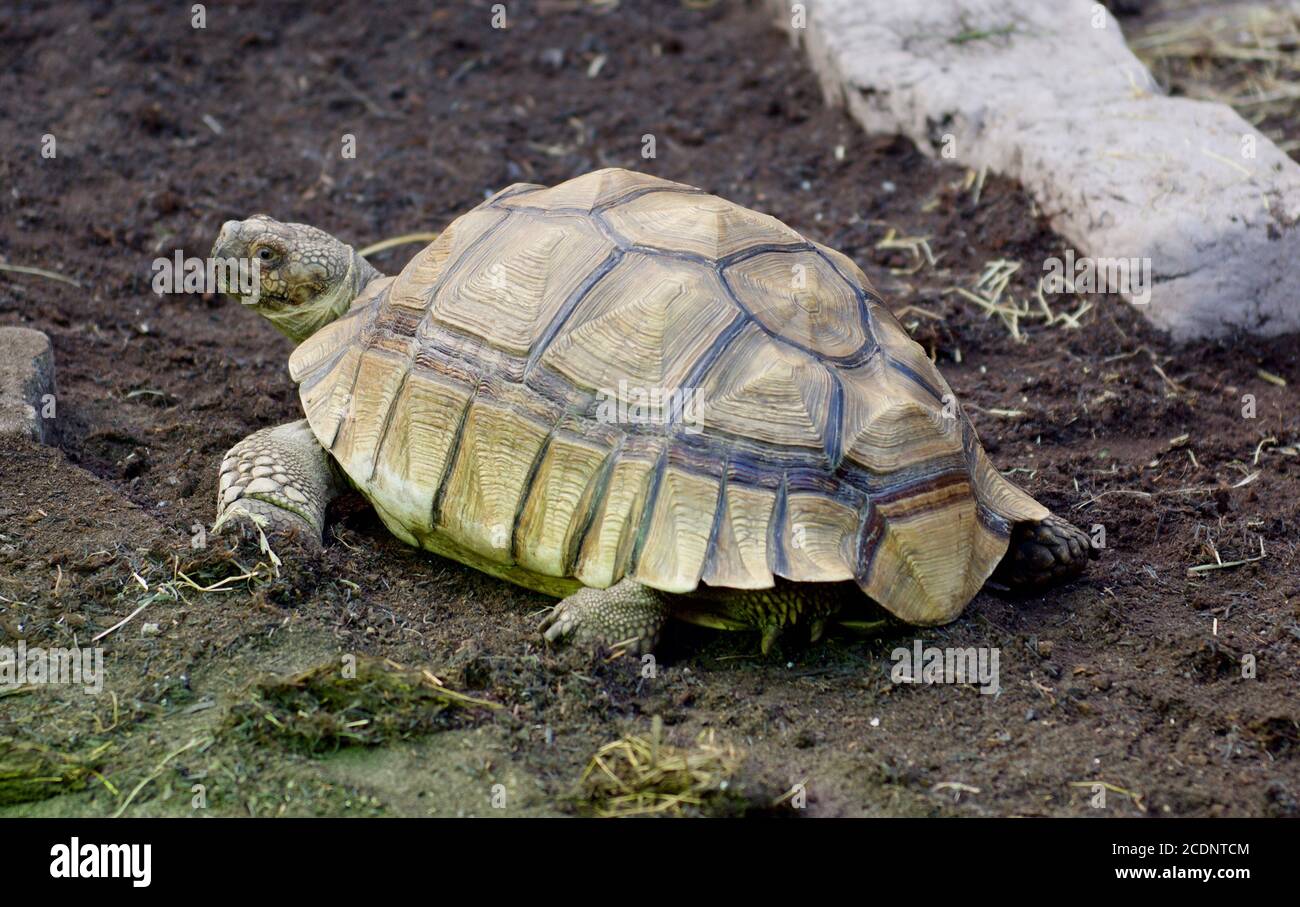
pixel 1131 677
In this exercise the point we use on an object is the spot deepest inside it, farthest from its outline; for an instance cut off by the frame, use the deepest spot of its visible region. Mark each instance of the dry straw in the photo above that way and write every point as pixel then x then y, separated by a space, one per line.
pixel 635 776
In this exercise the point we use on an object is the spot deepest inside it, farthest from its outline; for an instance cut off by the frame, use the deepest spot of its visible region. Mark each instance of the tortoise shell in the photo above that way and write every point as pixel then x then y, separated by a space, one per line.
pixel 495 401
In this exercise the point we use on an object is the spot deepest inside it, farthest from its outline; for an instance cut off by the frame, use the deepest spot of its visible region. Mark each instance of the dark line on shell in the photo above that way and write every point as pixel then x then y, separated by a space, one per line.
pixel 388 421
pixel 601 483
pixel 762 248
pixel 835 422
pixel 711 546
pixel 914 479
pixel 352 397
pixel 380 300
pixel 606 230
pixel 648 510
pixel 860 293
pixel 716 264
pixel 567 309
pixel 322 369
pixel 596 210
pixel 916 378
pixel 360 340
pixel 453 455
pixel 776 559
pixel 529 481
pixel 858 357
pixel 873 529
pixel 932 483
pixel 709 358
pixel 993 521
pixel 645 190
pixel 513 191
pixel 454 266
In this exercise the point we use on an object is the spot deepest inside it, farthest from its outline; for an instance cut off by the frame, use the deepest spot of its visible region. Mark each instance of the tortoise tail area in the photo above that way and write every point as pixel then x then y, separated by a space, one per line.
pixel 926 552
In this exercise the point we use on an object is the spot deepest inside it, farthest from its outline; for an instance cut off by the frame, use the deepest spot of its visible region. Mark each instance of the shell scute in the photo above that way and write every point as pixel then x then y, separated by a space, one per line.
pixel 591 191
pixel 696 224
pixel 800 297
pixel 507 291
pixel 646 325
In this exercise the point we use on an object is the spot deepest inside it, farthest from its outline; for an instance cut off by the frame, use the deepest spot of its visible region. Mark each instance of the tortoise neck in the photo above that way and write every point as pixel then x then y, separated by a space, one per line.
pixel 362 272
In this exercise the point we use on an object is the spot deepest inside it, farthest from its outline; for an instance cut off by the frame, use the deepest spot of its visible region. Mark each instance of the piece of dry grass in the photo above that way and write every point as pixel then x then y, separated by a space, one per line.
pixel 1220 564
pixel 394 241
pixel 39 272
pixel 916 246
pixel 1114 789
pixel 635 776
pixel 990 293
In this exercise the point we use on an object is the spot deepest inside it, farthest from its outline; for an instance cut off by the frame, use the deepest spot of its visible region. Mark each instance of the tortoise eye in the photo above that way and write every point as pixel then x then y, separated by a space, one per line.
pixel 265 254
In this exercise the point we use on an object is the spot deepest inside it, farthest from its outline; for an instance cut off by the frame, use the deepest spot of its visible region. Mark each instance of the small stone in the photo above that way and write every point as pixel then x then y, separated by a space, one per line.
pixel 27 404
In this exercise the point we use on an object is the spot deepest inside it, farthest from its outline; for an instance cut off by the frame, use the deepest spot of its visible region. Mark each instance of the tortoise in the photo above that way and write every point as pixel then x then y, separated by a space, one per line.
pixel 641 399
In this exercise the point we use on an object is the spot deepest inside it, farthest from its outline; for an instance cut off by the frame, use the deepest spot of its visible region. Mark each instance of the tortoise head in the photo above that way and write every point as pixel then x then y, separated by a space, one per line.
pixel 300 278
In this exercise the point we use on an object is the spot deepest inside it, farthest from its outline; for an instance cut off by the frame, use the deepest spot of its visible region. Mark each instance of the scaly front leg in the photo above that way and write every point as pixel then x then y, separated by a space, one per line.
pixel 280 479
pixel 626 617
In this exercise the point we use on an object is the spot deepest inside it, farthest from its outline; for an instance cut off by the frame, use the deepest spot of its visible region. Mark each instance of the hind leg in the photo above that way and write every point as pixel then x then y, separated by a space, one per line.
pixel 278 480
pixel 1045 552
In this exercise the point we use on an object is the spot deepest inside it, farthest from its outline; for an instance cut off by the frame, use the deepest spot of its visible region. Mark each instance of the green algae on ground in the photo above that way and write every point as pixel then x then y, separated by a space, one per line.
pixel 31 772
pixel 355 701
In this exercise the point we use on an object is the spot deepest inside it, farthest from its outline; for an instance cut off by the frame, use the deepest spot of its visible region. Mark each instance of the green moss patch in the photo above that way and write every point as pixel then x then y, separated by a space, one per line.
pixel 352 702
pixel 31 771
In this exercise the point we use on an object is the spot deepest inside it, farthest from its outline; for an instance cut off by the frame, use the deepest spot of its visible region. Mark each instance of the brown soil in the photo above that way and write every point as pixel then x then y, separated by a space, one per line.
pixel 1131 677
